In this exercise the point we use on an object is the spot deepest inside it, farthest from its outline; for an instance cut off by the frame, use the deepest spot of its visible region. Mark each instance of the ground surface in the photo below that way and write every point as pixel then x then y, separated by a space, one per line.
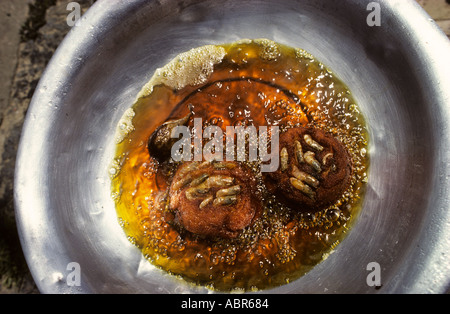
pixel 30 32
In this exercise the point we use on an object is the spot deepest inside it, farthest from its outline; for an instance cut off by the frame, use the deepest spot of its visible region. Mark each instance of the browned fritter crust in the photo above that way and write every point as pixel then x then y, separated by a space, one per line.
pixel 331 181
pixel 214 219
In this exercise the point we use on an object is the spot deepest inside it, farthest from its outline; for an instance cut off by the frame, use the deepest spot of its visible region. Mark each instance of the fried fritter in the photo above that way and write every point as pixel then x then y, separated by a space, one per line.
pixel 214 199
pixel 315 169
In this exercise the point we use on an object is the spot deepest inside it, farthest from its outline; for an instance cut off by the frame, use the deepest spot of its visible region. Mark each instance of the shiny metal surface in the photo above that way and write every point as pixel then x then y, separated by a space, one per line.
pixel 398 72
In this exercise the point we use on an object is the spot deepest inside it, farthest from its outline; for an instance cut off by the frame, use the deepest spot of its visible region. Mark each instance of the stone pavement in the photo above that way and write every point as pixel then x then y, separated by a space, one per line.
pixel 30 32
pixel 439 10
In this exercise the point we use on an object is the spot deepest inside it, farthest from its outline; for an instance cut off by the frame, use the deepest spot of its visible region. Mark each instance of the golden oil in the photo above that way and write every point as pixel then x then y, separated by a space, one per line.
pixel 250 82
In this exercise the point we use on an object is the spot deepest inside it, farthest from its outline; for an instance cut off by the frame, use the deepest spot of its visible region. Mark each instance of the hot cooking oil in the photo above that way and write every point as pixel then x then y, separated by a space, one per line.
pixel 250 82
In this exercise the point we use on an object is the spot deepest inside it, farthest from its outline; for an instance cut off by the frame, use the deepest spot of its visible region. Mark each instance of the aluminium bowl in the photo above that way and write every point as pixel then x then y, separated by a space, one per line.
pixel 398 72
